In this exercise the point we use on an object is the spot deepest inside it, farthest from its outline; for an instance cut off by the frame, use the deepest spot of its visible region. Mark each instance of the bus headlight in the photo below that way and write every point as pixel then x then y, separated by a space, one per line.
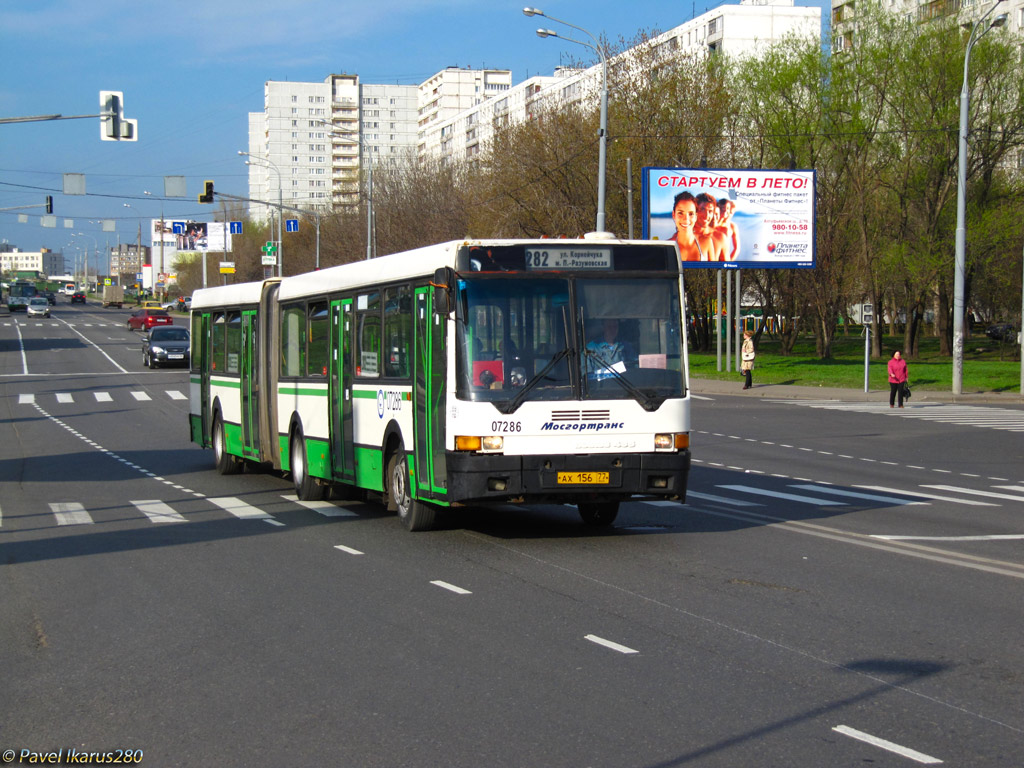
pixel 672 441
pixel 487 444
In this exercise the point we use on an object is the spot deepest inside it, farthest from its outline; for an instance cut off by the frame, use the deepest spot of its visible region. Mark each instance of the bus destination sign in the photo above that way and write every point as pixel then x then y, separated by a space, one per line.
pixel 558 258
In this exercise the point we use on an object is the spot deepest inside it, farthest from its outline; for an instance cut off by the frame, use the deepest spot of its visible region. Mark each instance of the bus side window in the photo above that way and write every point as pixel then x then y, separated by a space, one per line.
pixel 397 331
pixel 293 341
pixel 368 333
pixel 319 337
pixel 234 341
pixel 217 344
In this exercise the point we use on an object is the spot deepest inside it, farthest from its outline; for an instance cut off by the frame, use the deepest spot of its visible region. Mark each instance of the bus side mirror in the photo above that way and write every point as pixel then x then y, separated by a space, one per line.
pixel 443 283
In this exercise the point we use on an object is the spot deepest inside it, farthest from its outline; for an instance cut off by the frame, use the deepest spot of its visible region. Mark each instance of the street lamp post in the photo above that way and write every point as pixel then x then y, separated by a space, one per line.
pixel 603 132
pixel 353 138
pixel 960 266
pixel 162 269
pixel 280 204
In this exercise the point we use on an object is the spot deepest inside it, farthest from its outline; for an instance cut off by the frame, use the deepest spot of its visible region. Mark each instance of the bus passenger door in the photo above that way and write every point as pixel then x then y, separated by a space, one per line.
pixel 201 350
pixel 342 450
pixel 429 402
pixel 250 400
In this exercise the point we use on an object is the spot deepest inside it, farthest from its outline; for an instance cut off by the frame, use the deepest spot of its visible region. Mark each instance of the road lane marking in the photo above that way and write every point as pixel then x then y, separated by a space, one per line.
pixel 969 502
pixel 780 495
pixel 158 512
pixel 103 397
pixel 240 509
pixel 991 537
pixel 855 495
pixel 70 513
pixel 26 399
pixel 176 395
pixel 970 491
pixel 722 499
pixel 891 746
pixel 610 644
pixel 140 396
pixel 324 508
pixel 351 551
pixel 65 397
pixel 451 588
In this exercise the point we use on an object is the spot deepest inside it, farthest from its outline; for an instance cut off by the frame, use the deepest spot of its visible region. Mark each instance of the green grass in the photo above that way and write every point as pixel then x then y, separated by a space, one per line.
pixel 983 371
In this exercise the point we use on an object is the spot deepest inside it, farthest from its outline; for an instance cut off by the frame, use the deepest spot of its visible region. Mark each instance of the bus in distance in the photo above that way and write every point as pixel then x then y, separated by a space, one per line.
pixel 466 373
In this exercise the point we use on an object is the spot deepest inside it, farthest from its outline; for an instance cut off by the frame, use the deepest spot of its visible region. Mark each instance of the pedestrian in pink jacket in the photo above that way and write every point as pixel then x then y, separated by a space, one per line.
pixel 897 378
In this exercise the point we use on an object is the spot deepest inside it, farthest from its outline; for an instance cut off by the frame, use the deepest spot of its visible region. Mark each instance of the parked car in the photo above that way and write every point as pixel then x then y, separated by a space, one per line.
pixel 1001 332
pixel 180 304
pixel 166 345
pixel 145 319
pixel 38 306
pixel 78 297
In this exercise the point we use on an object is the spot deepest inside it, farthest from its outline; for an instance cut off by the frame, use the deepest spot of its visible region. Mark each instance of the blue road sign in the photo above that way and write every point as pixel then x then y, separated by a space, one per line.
pixel 236 227
pixel 291 225
pixel 178 227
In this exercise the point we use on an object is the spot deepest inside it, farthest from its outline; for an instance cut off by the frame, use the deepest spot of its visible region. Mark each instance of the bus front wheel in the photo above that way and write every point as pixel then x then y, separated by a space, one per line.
pixel 415 515
pixel 598 513
pixel 306 487
pixel 226 463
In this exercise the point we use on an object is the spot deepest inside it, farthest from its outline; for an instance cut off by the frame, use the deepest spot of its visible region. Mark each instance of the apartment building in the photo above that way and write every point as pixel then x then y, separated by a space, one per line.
pixel 968 11
pixel 44 261
pixel 736 30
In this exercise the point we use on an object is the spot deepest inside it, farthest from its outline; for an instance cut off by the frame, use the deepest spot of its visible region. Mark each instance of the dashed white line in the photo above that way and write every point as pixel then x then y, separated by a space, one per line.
pixel 351 551
pixel 451 587
pixel 610 644
pixel 890 746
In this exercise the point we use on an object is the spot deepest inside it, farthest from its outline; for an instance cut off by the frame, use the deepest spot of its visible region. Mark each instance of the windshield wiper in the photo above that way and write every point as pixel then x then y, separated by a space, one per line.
pixel 647 402
pixel 510 406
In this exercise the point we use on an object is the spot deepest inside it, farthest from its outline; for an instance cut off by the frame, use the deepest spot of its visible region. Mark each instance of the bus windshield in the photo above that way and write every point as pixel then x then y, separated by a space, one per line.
pixel 564 338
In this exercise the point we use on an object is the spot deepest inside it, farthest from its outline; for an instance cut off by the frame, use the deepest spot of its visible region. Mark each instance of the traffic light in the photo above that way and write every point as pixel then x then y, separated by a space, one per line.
pixel 49 203
pixel 113 125
pixel 206 196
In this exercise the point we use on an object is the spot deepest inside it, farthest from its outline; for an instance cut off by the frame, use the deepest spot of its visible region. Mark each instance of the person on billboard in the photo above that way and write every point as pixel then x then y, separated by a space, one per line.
pixel 711 241
pixel 684 216
pixel 728 228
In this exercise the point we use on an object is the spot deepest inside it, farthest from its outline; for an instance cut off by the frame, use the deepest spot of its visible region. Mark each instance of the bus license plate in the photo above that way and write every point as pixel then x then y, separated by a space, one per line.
pixel 583 478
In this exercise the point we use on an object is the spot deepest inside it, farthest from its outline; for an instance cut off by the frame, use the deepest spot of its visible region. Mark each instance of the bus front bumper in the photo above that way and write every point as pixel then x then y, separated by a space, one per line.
pixel 487 477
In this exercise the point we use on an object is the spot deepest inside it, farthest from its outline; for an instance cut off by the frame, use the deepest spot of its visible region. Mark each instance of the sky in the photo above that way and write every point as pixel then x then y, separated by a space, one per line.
pixel 192 72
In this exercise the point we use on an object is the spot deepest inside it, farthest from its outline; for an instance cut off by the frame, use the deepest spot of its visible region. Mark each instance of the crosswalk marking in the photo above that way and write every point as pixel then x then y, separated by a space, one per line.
pixel 781 495
pixel 988 417
pixel 176 395
pixel 65 397
pixel 242 510
pixel 721 499
pixel 969 502
pixel 29 398
pixel 855 495
pixel 324 508
pixel 26 399
pixel 140 396
pixel 972 492
pixel 70 513
pixel 158 512
pixel 103 397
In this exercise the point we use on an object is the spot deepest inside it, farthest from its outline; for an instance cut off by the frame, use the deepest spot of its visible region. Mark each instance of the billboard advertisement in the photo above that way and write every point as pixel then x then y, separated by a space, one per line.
pixel 178 235
pixel 731 218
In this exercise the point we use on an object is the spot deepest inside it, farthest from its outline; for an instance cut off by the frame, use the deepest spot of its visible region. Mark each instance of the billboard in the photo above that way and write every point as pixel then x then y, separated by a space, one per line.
pixel 732 218
pixel 178 235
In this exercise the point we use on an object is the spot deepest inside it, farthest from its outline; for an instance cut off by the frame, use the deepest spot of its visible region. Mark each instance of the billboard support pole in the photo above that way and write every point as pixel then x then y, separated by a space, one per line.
pixel 728 321
pixel 718 320
pixel 739 318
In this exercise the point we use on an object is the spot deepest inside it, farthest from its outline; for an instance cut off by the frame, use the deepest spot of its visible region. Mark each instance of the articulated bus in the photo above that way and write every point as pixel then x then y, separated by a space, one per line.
pixel 460 374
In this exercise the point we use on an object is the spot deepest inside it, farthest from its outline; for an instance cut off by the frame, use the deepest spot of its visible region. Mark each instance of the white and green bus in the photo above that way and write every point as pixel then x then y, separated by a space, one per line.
pixel 460 374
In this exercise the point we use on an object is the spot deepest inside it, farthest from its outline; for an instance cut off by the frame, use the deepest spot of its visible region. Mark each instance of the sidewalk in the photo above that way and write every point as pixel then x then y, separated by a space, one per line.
pixel 792 391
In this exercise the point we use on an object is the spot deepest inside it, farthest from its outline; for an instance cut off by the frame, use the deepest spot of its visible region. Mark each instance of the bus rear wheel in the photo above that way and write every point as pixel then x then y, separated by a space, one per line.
pixel 415 515
pixel 306 487
pixel 598 513
pixel 226 463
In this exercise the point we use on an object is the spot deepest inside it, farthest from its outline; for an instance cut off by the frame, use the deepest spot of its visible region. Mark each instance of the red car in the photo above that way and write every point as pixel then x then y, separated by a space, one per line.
pixel 144 319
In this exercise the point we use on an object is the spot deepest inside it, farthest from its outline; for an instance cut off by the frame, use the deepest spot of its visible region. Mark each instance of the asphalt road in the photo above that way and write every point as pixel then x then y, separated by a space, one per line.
pixel 843 587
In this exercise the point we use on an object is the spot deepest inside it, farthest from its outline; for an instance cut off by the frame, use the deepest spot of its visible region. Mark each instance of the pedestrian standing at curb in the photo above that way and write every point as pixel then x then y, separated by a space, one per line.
pixel 897 378
pixel 747 358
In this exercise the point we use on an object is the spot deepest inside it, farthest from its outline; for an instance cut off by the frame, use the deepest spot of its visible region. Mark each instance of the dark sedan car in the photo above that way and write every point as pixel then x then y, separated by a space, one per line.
pixel 1001 332
pixel 78 297
pixel 165 345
